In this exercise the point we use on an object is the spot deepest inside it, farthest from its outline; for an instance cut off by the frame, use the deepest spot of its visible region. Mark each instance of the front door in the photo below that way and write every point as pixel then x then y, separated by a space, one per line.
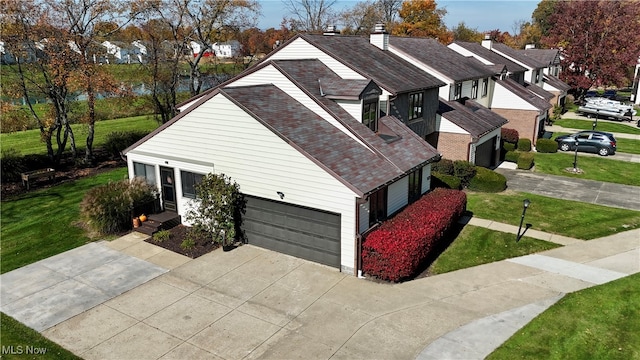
pixel 167 182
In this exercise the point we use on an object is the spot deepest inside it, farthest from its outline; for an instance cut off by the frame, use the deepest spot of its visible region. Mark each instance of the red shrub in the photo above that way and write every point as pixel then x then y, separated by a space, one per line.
pixel 396 249
pixel 510 135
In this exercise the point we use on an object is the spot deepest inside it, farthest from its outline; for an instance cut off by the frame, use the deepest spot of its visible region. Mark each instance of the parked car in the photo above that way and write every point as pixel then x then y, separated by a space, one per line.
pixel 599 142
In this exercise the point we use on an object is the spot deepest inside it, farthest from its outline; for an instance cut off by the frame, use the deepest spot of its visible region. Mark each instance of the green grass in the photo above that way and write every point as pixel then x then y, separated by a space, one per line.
pixel 594 167
pixel 28 142
pixel 602 126
pixel 20 338
pixel 475 246
pixel 556 216
pixel 42 223
pixel 595 323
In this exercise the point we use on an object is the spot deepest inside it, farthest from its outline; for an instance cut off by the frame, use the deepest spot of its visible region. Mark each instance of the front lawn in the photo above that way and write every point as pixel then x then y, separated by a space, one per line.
pixel 21 342
pixel 476 245
pixel 594 167
pixel 556 216
pixel 28 141
pixel 43 223
pixel 601 322
pixel 602 126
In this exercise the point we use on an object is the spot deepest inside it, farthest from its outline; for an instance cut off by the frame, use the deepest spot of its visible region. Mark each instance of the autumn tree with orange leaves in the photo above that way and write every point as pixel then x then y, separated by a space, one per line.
pixel 422 18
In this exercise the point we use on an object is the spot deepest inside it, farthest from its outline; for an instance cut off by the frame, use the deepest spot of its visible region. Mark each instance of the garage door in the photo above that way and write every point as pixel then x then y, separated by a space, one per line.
pixel 294 230
pixel 486 153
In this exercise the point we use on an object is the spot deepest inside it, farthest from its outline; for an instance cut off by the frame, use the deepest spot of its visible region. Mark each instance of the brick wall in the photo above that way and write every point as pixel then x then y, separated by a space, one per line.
pixel 524 121
pixel 453 146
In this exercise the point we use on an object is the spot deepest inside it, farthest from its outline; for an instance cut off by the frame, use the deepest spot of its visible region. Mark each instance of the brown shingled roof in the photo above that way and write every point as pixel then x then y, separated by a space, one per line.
pixel 441 58
pixel 491 56
pixel 471 116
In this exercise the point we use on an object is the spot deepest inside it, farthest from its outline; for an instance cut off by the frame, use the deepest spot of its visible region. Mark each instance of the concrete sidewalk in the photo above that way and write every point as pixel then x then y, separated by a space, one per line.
pixel 251 303
pixel 571 188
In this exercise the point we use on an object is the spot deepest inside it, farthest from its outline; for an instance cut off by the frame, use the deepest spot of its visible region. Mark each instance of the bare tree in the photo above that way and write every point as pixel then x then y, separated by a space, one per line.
pixel 311 15
pixel 361 18
pixel 389 9
pixel 214 21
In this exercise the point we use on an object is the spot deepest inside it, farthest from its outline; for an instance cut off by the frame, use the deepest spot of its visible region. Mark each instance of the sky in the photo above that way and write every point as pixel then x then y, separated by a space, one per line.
pixel 481 15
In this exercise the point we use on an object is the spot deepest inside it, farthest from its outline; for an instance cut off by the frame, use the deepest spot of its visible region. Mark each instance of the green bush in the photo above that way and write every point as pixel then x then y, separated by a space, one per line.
pixel 119 140
pixel 444 166
pixel 508 146
pixel 464 171
pixel 12 165
pixel 512 156
pixel 524 144
pixel 487 180
pixel 107 209
pixel 546 146
pixel 525 161
pixel 440 180
pixel 162 235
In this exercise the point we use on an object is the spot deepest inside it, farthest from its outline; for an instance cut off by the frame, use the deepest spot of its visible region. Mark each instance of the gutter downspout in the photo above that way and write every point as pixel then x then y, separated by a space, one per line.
pixel 358 242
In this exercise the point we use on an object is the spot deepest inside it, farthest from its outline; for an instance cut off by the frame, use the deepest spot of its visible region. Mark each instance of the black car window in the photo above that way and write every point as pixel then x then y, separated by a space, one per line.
pixel 583 136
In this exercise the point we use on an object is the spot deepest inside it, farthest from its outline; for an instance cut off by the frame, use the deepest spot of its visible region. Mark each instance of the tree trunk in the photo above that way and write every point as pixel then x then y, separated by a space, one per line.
pixel 88 158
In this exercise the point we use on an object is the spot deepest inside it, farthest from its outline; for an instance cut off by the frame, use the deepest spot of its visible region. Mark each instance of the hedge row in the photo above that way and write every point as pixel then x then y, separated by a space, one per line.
pixel 487 180
pixel 546 146
pixel 396 249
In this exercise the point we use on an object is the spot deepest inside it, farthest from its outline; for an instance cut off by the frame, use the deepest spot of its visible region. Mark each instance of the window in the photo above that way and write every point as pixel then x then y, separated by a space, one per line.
pixel 485 87
pixel 377 206
pixel 145 171
pixel 415 106
pixel 415 185
pixel 474 89
pixel 458 91
pixel 370 114
pixel 189 182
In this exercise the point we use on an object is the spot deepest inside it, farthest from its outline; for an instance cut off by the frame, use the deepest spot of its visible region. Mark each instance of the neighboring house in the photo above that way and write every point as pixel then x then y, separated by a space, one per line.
pixel 229 49
pixel 118 52
pixel 467 130
pixel 526 106
pixel 316 160
pixel 140 51
pixel 197 48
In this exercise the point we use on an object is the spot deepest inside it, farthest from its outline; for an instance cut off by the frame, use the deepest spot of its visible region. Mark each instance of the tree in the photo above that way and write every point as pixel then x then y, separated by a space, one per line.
pixel 389 10
pixel 213 21
pixel 463 33
pixel 310 15
pixel 421 18
pixel 361 18
pixel 600 41
pixel 44 65
pixel 541 15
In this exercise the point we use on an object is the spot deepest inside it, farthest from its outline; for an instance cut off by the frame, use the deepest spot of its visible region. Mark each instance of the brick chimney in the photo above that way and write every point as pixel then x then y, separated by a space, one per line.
pixel 380 37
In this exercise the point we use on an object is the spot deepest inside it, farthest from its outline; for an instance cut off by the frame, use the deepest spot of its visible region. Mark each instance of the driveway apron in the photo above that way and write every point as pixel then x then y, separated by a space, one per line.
pixel 50 291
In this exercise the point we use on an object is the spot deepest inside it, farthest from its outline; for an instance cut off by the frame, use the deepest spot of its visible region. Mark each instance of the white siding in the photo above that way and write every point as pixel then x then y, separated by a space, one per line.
pixel 505 99
pixel 301 49
pixel 258 160
pixel 449 127
pixel 445 92
pixel 462 51
pixel 397 195
pixel 354 108
pixel 426 178
pixel 270 75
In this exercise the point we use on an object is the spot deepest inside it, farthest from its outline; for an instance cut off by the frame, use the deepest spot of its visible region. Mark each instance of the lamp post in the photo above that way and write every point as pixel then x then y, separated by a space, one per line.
pixel 575 157
pixel 525 205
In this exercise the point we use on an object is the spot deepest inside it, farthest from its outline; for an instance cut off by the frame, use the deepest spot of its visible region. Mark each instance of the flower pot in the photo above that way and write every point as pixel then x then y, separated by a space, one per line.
pixel 136 222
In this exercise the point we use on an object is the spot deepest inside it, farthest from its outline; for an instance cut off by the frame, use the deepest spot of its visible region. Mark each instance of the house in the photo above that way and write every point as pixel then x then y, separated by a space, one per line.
pixel 197 48
pixel 305 139
pixel 466 129
pixel 525 105
pixel 118 52
pixel 229 49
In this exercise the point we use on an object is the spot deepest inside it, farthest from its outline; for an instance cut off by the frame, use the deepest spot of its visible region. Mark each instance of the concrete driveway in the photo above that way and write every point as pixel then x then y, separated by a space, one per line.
pixel 251 303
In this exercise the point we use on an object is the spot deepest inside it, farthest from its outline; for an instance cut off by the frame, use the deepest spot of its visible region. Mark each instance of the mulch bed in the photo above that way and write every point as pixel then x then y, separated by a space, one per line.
pixel 203 245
